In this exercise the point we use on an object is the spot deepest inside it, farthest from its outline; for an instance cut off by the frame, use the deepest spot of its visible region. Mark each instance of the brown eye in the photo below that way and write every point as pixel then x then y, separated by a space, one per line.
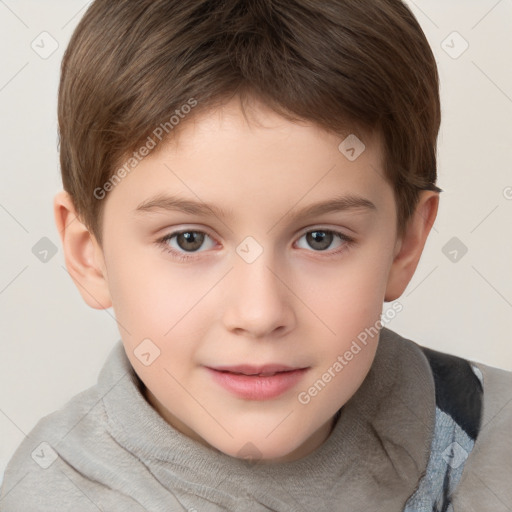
pixel 185 244
pixel 190 240
pixel 320 240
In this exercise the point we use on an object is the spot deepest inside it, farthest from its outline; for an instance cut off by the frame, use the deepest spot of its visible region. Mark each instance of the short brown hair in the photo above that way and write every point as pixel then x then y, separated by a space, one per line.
pixel 350 66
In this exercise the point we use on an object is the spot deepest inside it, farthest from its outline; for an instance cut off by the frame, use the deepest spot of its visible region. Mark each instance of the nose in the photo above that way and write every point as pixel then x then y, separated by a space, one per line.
pixel 258 301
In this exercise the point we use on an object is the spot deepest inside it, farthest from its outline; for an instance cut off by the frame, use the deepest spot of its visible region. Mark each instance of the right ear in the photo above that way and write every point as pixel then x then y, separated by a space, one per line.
pixel 83 255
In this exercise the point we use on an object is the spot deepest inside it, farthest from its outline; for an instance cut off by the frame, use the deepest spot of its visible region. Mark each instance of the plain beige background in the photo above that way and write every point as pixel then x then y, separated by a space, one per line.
pixel 53 345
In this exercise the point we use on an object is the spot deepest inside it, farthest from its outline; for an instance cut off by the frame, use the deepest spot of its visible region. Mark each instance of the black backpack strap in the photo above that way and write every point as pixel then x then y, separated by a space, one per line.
pixel 459 392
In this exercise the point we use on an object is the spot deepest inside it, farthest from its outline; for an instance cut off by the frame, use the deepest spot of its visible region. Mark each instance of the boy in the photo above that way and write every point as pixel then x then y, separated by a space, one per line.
pixel 254 370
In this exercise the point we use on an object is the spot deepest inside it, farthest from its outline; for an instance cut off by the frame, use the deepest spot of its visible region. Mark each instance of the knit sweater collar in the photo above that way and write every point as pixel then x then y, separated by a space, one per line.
pixel 373 459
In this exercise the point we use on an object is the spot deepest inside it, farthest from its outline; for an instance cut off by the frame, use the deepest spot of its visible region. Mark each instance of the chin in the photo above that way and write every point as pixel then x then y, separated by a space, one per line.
pixel 255 449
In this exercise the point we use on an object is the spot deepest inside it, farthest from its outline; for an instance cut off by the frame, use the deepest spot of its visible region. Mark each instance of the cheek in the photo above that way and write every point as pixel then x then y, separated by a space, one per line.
pixel 348 301
pixel 155 304
pixel 349 296
pixel 149 292
pixel 164 302
pixel 351 309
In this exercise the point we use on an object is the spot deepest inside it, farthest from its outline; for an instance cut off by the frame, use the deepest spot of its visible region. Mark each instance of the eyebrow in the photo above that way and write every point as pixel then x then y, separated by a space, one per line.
pixel 349 202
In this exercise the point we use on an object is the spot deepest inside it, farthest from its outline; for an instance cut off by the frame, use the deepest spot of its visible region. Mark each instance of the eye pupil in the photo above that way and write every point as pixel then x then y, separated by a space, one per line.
pixel 324 238
pixel 190 237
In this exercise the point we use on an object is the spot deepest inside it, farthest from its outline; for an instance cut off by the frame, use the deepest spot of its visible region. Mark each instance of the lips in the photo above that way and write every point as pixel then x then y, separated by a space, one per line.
pixel 257 382
pixel 264 370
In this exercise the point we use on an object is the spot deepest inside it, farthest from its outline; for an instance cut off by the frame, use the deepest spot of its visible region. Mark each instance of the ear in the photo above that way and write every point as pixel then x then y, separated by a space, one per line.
pixel 83 255
pixel 409 248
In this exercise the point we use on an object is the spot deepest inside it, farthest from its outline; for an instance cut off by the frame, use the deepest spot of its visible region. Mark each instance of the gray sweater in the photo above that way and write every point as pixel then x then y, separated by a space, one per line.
pixel 424 430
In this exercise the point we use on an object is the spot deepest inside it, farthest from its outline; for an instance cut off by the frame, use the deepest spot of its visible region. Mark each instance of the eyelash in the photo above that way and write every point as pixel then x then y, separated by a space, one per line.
pixel 184 257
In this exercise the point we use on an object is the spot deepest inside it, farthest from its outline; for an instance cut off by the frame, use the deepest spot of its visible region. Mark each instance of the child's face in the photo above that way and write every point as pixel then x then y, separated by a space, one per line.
pixel 263 285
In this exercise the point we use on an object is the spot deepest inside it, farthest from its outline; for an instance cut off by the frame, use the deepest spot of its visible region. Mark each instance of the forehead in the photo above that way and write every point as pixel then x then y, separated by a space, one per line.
pixel 232 158
pixel 254 119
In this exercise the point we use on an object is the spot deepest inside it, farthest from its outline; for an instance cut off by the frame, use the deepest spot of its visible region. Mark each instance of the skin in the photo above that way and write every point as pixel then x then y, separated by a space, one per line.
pixel 296 304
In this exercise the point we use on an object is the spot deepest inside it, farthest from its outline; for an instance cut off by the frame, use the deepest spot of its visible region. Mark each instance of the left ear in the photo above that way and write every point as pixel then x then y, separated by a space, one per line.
pixel 409 248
